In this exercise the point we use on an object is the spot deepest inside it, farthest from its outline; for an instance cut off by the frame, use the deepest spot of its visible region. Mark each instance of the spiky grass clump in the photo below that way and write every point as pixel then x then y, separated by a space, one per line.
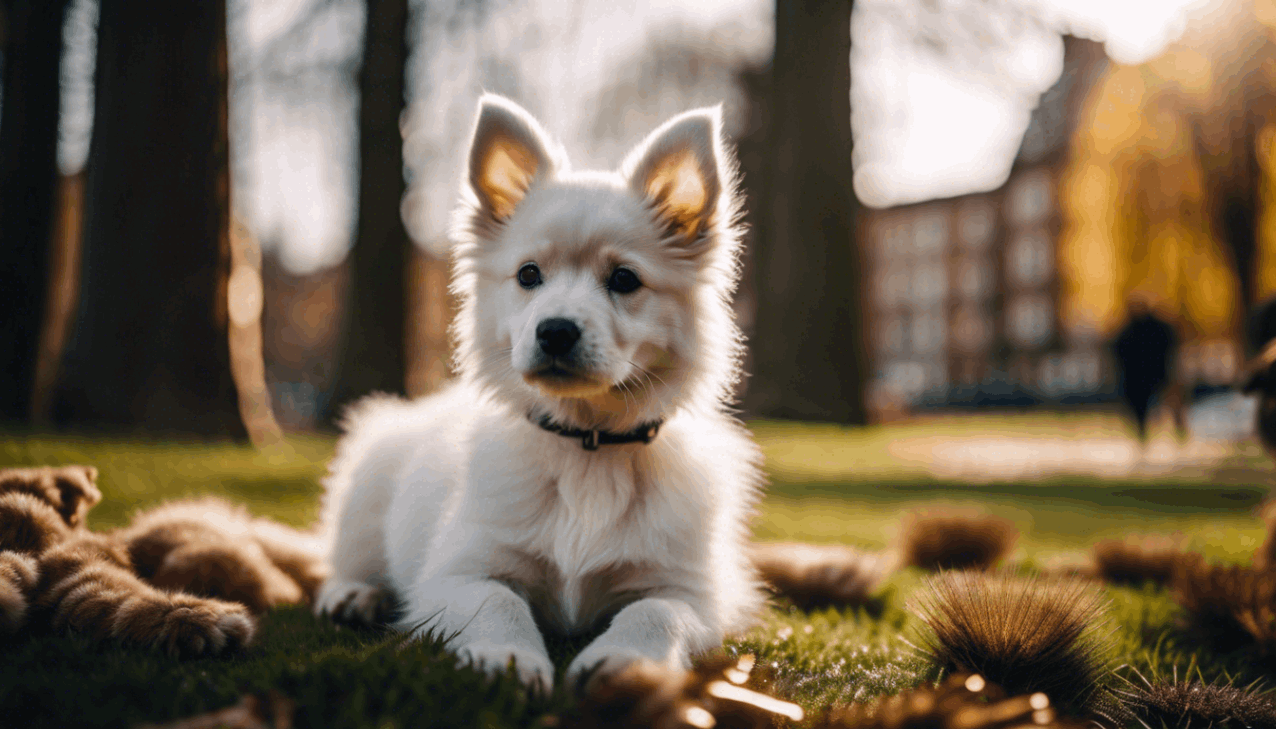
pixel 1025 633
pixel 818 575
pixel 937 540
pixel 720 692
pixel 1232 596
pixel 1138 559
pixel 1195 703
pixel 963 701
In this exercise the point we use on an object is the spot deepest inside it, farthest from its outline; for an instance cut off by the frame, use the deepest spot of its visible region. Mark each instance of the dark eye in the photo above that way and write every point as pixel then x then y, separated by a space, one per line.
pixel 529 276
pixel 623 281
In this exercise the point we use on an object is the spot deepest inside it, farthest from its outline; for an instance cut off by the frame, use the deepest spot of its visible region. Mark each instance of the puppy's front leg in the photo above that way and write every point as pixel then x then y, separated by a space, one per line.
pixel 488 624
pixel 665 630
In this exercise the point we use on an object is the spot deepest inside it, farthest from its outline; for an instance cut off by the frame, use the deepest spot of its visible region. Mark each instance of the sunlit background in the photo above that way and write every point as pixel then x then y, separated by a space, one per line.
pixel 222 223
pixel 1025 167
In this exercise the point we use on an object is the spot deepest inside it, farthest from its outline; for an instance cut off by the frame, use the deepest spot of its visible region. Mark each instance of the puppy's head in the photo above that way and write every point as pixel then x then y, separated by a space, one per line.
pixel 598 299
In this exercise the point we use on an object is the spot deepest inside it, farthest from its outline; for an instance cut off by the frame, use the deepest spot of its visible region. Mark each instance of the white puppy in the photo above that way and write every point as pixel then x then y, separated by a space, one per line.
pixel 584 471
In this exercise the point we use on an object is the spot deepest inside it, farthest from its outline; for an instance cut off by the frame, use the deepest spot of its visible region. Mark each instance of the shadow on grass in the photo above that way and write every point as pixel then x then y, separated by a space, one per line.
pixel 1177 499
pixel 338 677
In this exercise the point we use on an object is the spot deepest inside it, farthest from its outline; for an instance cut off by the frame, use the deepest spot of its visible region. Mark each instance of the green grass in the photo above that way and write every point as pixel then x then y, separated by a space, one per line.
pixel 282 483
pixel 828 485
pixel 841 485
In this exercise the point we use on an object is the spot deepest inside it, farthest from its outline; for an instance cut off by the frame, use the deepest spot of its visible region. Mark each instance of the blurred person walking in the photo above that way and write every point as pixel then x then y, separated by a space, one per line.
pixel 1259 376
pixel 1260 327
pixel 1144 350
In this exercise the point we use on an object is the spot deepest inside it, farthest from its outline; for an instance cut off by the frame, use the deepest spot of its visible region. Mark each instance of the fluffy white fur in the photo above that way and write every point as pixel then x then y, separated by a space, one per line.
pixel 491 529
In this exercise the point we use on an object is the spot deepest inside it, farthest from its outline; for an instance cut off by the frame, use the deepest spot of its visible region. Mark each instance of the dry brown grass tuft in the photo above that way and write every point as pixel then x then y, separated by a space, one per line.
pixel 817 575
pixel 1026 634
pixel 1194 703
pixel 963 701
pixel 937 540
pixel 718 693
pixel 1230 595
pixel 1138 559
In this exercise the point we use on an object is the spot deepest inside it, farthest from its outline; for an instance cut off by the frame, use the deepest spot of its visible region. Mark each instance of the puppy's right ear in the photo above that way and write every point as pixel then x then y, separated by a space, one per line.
pixel 509 154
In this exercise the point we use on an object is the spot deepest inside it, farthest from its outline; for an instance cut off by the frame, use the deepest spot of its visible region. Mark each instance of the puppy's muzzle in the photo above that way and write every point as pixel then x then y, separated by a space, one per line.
pixel 557 337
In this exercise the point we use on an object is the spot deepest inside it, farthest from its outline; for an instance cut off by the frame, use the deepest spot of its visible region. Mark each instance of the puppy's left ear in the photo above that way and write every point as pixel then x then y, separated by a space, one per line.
pixel 678 170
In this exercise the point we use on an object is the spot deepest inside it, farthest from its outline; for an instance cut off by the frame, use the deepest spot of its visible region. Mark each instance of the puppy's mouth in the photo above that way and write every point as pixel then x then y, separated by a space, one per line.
pixel 565 380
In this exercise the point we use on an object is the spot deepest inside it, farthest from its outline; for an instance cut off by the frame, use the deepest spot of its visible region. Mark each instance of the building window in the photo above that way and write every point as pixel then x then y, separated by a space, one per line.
pixel 929 333
pixel 1028 259
pixel 930 284
pixel 894 238
pixel 930 232
pixel 892 337
pixel 892 286
pixel 905 380
pixel 1029 321
pixel 972 329
pixel 1028 199
pixel 975 278
pixel 976 223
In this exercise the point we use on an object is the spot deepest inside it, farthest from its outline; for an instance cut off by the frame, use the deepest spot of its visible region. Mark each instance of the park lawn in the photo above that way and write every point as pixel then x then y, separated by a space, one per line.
pixel 829 484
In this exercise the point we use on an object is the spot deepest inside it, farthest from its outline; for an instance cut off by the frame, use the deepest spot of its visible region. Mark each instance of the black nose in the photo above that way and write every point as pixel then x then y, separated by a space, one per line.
pixel 557 336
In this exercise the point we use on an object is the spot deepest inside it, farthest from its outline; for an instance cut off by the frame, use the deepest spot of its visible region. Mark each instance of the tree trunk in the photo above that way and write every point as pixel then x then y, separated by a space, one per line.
pixel 149 350
pixel 62 296
pixel 32 34
pixel 753 153
pixel 372 358
pixel 1233 202
pixel 809 359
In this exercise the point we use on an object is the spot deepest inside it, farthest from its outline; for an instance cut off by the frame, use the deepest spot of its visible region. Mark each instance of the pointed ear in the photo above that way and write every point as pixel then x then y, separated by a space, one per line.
pixel 510 152
pixel 77 486
pixel 677 169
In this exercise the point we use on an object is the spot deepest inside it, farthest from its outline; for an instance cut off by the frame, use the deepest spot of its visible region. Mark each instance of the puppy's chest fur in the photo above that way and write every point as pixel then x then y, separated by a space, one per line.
pixel 566 603
pixel 590 539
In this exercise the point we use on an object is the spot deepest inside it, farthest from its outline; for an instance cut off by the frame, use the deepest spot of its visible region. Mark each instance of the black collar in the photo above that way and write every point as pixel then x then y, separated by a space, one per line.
pixel 591 439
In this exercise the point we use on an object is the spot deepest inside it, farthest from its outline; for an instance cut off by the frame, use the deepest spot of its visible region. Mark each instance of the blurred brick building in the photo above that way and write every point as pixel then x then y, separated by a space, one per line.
pixel 963 302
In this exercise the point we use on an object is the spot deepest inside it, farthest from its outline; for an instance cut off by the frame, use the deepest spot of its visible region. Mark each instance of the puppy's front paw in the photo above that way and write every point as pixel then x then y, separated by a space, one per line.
pixel 533 668
pixel 598 661
pixel 357 603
